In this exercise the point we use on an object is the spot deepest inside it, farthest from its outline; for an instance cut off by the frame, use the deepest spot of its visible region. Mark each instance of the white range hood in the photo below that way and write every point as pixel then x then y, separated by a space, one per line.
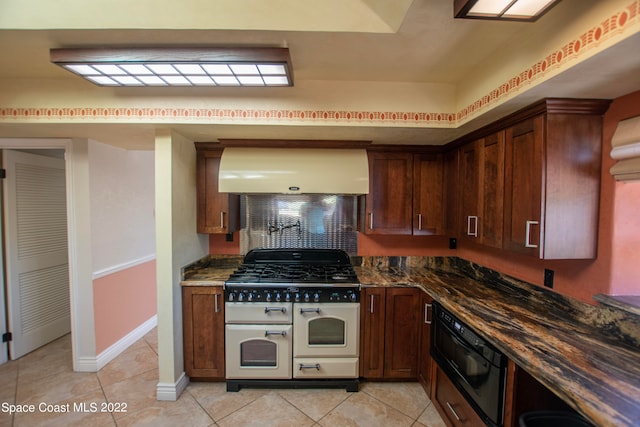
pixel 293 171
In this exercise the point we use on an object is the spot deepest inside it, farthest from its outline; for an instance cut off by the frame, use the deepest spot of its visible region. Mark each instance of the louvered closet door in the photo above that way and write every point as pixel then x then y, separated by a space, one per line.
pixel 36 250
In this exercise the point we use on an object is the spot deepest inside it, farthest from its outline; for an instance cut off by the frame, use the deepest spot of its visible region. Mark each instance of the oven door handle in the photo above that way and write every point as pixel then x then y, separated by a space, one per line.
pixel 280 309
pixel 310 310
pixel 267 333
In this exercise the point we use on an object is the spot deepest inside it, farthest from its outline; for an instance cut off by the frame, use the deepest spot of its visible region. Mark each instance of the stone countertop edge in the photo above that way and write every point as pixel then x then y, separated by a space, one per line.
pixel 590 370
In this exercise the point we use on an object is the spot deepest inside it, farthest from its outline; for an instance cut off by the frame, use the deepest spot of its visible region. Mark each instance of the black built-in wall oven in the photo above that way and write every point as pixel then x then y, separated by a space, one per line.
pixel 477 369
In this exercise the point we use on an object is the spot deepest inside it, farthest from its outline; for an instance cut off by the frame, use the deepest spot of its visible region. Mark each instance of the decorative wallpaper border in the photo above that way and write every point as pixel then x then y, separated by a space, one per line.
pixel 591 39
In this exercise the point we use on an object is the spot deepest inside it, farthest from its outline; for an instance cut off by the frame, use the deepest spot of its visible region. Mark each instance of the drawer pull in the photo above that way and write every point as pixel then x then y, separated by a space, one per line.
pixel 310 310
pixel 453 411
pixel 314 366
pixel 267 333
pixel 282 310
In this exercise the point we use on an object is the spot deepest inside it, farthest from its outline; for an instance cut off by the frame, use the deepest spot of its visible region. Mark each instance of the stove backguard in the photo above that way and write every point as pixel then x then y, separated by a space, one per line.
pixel 299 221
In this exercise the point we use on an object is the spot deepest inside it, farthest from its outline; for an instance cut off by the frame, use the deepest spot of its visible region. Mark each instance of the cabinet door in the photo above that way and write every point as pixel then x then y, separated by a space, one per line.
pixel 492 190
pixel 372 312
pixel 389 202
pixel 470 182
pixel 203 330
pixel 451 191
pixel 402 334
pixel 217 212
pixel 523 186
pixel 425 364
pixel 428 209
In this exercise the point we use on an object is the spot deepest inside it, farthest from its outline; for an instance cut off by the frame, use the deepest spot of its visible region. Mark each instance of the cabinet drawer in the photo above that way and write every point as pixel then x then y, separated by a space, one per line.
pixel 452 404
pixel 325 367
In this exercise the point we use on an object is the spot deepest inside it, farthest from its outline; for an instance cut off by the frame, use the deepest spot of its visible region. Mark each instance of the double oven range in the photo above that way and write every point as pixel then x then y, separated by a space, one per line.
pixel 292 320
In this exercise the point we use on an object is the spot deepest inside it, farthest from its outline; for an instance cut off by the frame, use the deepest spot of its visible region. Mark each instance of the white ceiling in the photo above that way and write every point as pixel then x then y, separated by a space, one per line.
pixel 427 46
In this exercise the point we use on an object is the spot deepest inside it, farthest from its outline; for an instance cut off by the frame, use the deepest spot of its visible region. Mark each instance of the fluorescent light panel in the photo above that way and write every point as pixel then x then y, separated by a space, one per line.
pixel 514 10
pixel 190 67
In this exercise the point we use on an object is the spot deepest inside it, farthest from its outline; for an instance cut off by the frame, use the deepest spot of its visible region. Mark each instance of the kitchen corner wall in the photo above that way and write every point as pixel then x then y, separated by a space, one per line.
pixel 122 241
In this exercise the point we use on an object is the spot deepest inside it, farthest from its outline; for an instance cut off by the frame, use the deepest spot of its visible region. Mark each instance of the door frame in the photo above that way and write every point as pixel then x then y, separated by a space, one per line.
pixel 79 242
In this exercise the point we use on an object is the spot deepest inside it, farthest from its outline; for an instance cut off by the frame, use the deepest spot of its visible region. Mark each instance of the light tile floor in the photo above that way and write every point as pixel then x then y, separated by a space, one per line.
pixel 45 379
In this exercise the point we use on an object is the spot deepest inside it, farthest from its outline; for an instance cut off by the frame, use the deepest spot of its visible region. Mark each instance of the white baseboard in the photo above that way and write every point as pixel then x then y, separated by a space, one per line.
pixel 85 364
pixel 121 345
pixel 168 391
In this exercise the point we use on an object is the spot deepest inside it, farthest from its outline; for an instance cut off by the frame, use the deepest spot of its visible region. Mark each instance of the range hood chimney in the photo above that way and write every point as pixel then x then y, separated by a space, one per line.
pixel 246 170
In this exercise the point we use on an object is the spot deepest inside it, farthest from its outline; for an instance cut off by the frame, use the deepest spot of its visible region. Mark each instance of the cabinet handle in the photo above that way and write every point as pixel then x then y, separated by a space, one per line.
pixel 527 243
pixel 420 222
pixel 427 310
pixel 267 333
pixel 370 220
pixel 453 411
pixel 221 219
pixel 370 303
pixel 215 303
pixel 475 229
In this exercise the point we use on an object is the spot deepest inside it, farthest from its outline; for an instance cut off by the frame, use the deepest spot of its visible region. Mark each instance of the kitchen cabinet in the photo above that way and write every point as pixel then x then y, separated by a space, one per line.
pixel 405 193
pixel 203 332
pixel 428 207
pixel 425 362
pixel 451 405
pixel 217 213
pixel 389 202
pixel 451 190
pixel 552 180
pixel 390 332
pixel 482 178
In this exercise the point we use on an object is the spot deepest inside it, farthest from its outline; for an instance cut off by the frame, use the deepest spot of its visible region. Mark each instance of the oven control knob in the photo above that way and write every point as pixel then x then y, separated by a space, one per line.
pixel 287 297
pixel 353 297
pixel 231 297
pixel 250 297
pixel 316 297
pixel 306 297
pixel 268 297
pixel 278 297
pixel 297 297
pixel 240 297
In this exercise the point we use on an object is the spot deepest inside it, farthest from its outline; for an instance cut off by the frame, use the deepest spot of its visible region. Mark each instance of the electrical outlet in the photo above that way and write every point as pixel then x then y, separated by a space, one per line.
pixel 453 243
pixel 229 237
pixel 548 278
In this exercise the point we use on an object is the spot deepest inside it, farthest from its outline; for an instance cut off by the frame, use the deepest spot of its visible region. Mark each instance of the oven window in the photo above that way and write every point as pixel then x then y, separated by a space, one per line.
pixel 258 353
pixel 327 331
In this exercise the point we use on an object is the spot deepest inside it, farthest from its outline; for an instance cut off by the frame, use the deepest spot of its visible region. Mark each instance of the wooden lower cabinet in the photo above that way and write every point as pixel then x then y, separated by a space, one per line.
pixel 390 332
pixel 203 332
pixel 451 405
pixel 425 362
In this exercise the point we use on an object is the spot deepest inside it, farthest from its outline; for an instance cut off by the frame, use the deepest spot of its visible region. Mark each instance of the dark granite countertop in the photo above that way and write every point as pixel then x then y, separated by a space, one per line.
pixel 588 355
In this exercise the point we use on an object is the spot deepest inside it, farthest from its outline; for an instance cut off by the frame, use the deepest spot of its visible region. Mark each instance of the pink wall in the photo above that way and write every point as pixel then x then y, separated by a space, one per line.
pixel 122 302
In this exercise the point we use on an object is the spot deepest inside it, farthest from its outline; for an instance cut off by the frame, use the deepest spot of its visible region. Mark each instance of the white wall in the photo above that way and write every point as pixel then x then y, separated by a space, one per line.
pixel 122 207
pixel 177 244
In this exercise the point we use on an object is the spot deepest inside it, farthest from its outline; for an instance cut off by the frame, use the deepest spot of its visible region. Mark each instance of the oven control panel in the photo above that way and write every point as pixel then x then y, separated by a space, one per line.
pixel 292 294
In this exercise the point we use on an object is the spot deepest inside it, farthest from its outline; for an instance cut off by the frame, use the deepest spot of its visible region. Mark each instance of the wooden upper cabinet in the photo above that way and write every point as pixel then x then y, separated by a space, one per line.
pixel 470 182
pixel 389 202
pixel 428 202
pixel 217 212
pixel 482 178
pixel 451 190
pixel 552 181
pixel 492 190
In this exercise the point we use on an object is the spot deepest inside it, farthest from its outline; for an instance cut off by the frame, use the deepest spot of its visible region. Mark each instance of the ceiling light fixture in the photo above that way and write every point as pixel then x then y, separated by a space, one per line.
pixel 179 67
pixel 506 10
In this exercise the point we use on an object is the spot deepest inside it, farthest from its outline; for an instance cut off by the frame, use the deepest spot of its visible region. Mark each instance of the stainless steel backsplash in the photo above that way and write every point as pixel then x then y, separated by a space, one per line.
pixel 299 221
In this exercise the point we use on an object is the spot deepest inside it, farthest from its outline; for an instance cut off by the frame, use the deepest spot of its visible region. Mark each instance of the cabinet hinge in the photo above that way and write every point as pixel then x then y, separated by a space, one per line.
pixel 3 173
pixel 7 336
